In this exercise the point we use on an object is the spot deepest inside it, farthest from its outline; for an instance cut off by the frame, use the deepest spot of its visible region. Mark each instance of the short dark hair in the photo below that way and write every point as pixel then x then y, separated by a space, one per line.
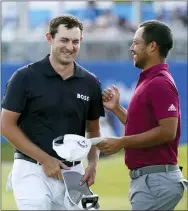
pixel 69 21
pixel 160 33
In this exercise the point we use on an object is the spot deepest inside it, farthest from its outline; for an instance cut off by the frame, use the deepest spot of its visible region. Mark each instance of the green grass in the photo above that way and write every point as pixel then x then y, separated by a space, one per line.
pixel 6 152
pixel 112 183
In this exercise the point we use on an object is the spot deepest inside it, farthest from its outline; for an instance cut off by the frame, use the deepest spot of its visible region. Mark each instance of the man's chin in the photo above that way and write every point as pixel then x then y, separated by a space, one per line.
pixel 136 64
pixel 66 62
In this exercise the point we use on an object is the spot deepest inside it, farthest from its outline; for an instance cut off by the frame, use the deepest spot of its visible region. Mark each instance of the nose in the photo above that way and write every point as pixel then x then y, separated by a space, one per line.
pixel 131 48
pixel 69 46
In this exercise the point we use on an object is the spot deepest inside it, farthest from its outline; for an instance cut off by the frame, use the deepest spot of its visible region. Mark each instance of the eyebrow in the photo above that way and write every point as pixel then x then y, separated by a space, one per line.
pixel 65 38
pixel 138 40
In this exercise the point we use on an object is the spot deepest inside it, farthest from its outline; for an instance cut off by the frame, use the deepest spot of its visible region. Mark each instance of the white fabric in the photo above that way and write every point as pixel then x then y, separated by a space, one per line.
pixel 74 147
pixel 33 190
pixel 69 204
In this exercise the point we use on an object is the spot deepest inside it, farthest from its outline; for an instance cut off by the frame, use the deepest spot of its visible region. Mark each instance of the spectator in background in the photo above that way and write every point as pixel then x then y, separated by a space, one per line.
pixel 180 15
pixel 124 26
pixel 106 20
pixel 91 11
pixel 89 16
pixel 173 14
pixel 160 16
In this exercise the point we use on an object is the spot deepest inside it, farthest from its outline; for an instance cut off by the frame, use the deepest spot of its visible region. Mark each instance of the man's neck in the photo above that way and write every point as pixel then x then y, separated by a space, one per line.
pixel 65 71
pixel 154 63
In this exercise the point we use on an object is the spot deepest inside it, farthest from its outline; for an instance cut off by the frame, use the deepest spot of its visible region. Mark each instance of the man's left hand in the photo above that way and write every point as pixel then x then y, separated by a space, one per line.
pixel 110 145
pixel 90 173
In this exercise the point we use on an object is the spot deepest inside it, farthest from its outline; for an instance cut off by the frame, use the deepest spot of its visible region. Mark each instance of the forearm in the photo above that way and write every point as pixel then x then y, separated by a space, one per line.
pixel 153 137
pixel 121 114
pixel 93 155
pixel 18 139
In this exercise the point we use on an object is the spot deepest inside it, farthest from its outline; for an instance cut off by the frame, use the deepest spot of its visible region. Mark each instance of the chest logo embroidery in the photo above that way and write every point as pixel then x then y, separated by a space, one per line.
pixel 83 97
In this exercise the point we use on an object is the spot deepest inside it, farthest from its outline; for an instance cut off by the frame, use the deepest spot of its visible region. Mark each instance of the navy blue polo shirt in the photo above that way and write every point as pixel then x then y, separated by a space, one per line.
pixel 51 106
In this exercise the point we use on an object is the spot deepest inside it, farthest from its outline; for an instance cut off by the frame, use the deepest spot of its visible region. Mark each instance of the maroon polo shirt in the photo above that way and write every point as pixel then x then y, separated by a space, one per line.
pixel 155 97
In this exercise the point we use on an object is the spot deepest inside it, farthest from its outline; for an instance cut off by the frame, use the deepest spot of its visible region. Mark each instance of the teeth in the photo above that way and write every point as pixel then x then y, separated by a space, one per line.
pixel 67 53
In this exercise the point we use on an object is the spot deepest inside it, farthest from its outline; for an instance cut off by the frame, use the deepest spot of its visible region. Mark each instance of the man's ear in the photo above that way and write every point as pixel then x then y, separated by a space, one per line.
pixel 81 39
pixel 49 38
pixel 153 46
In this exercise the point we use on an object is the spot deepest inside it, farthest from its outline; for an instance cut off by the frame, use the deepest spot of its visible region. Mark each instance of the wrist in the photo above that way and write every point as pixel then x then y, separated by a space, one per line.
pixel 44 158
pixel 123 142
pixel 116 108
pixel 93 162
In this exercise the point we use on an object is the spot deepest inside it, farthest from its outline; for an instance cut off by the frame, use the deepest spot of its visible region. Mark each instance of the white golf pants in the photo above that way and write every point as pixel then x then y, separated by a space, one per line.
pixel 33 190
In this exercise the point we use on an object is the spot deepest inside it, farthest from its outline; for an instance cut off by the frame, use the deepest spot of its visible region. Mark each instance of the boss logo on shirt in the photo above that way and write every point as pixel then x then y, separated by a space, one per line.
pixel 83 97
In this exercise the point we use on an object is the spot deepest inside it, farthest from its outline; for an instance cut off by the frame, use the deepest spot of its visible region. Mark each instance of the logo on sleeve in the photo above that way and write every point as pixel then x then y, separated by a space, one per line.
pixel 172 108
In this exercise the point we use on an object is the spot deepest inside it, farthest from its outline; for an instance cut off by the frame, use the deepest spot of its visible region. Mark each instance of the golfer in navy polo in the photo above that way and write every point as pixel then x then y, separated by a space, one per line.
pixel 49 98
pixel 152 123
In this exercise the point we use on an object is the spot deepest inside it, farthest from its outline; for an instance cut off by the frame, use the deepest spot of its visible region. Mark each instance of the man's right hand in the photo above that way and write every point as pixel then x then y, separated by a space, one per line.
pixel 111 98
pixel 52 168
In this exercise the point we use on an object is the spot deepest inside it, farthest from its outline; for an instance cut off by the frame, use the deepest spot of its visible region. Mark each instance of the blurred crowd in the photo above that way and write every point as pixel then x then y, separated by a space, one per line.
pixel 106 22
pixel 97 20
pixel 176 17
pixel 109 21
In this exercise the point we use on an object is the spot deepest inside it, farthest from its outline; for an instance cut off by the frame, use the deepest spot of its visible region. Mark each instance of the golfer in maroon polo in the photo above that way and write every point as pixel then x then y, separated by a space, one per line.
pixel 152 123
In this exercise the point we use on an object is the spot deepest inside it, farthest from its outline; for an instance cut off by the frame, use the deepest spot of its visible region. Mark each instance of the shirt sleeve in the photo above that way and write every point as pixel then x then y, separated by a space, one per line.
pixel 164 98
pixel 96 106
pixel 15 95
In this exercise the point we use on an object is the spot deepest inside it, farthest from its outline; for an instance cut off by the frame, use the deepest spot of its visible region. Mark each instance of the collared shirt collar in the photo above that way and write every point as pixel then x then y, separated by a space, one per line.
pixel 153 71
pixel 49 70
